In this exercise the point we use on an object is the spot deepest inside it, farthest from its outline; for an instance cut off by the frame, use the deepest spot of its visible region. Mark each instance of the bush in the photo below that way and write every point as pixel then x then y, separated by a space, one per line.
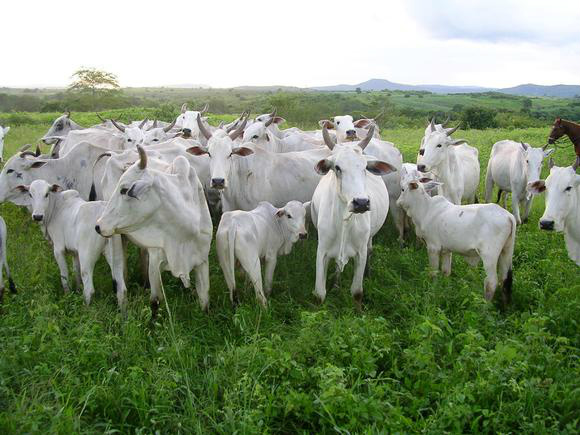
pixel 478 118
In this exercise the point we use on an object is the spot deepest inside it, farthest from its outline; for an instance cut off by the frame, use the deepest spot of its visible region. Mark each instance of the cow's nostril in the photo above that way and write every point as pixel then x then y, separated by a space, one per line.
pixel 302 235
pixel 547 225
pixel 422 152
pixel 37 217
pixel 422 168
pixel 98 229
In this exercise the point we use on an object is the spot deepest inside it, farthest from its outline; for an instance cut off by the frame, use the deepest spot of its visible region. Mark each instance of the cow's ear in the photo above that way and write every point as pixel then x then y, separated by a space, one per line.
pixel 278 120
pixel 425 180
pixel 548 152
pixel 458 142
pixel 378 167
pixel 537 187
pixel 525 146
pixel 431 185
pixel 138 189
pixel 242 151
pixel 329 124
pixel 22 188
pixel 38 164
pixel 280 212
pixel 413 185
pixel 323 166
pixel 55 188
pixel 362 123
pixel 196 151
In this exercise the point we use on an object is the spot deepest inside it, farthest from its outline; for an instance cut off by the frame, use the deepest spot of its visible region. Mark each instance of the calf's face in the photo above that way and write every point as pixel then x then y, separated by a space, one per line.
pixel 39 192
pixel 561 189
pixel 534 160
pixel 293 217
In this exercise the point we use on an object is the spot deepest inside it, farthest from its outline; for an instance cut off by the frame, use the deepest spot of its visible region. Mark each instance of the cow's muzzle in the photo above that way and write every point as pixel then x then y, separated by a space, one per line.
pixel 38 217
pixel 422 168
pixel 302 236
pixel 218 183
pixel 361 205
pixel 186 132
pixel 351 134
pixel 547 225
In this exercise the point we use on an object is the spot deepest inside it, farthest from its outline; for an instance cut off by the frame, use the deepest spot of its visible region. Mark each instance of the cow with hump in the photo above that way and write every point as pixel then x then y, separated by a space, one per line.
pixel 263 233
pixel 562 189
pixel 165 212
pixel 476 231
pixel 349 206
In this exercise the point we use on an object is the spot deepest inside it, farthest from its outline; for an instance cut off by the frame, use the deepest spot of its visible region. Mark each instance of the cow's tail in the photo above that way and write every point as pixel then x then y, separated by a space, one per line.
pixel 227 258
pixel 93 192
pixel 506 260
pixel 489 182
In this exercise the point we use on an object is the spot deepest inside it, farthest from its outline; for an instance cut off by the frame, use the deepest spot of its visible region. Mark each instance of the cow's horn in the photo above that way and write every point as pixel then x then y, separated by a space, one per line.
pixel 170 126
pixel 327 139
pixel 202 128
pixel 363 143
pixel 453 130
pixel 143 123
pixel 142 157
pixel 202 111
pixel 184 108
pixel 240 130
pixel 432 124
pixel 119 127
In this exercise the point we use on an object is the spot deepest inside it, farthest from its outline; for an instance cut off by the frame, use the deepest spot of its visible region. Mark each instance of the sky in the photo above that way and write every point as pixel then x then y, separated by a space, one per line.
pixel 494 43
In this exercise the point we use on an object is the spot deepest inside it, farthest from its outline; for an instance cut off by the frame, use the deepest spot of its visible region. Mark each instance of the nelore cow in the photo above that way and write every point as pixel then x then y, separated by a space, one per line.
pixel 166 213
pixel 3 132
pixel 4 261
pixel 250 236
pixel 349 206
pixel 562 189
pixel 245 176
pixel 514 166
pixel 187 123
pixel 455 164
pixel 61 127
pixel 476 231
pixel 69 222
pixel 258 133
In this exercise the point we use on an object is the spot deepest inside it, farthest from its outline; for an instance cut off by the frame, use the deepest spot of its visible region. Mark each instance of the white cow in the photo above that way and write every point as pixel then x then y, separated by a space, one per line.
pixel 348 208
pixel 69 222
pixel 186 122
pixel 514 166
pixel 61 127
pixel 3 132
pixel 247 176
pixel 166 213
pixel 347 129
pixel 562 188
pixel 4 260
pixel 154 134
pixel 455 164
pixel 259 134
pixel 263 233
pixel 73 171
pixel 476 231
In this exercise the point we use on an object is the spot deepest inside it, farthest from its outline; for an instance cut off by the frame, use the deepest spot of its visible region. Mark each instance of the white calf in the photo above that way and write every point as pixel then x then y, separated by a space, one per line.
pixel 514 166
pixel 69 221
pixel 263 233
pixel 477 231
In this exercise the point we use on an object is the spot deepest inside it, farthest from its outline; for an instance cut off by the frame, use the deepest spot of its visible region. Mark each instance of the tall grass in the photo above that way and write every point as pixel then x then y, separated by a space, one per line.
pixel 424 356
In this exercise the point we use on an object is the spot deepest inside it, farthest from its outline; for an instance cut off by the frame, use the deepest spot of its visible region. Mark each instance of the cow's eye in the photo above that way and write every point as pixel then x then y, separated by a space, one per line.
pixel 439 146
pixel 568 189
pixel 123 191
pixel 46 196
pixel 130 140
pixel 9 171
pixel 155 140
pixel 337 122
pixel 289 216
pixel 337 168
pixel 255 136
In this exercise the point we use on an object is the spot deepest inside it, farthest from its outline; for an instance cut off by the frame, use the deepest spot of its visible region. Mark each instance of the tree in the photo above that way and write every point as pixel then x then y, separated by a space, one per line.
pixel 478 118
pixel 358 90
pixel 94 81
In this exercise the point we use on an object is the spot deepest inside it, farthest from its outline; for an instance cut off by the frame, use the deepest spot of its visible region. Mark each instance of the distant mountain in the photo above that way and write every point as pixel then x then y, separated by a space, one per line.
pixel 561 91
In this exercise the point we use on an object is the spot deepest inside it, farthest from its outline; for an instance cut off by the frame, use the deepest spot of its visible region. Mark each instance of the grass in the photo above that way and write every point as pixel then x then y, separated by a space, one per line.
pixel 424 356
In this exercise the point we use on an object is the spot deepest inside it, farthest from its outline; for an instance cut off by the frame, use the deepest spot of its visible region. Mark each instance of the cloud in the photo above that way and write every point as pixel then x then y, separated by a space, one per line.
pixel 524 21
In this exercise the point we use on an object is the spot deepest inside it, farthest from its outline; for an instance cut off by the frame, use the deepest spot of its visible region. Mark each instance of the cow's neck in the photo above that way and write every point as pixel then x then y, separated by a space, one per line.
pixel 419 210
pixel 444 172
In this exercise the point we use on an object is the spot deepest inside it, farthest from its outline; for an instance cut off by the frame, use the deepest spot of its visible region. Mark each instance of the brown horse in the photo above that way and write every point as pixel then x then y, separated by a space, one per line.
pixel 562 127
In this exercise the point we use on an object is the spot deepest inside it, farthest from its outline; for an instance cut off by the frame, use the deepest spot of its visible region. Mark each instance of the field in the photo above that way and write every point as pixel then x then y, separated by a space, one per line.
pixel 425 355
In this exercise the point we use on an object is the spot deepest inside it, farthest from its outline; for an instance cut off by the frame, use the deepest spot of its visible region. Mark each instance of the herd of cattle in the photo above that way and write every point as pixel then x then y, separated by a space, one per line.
pixel 154 184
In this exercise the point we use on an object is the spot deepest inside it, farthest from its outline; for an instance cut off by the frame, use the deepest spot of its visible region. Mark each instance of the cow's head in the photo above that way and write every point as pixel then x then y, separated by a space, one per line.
pixel 561 188
pixel 534 160
pixel 61 127
pixel 221 150
pixel 271 118
pixel 154 134
pixel 436 148
pixel 19 169
pixel 414 190
pixel 349 165
pixel 346 128
pixel 3 132
pixel 133 202
pixel 187 121
pixel 292 217
pixel 39 193
pixel 133 135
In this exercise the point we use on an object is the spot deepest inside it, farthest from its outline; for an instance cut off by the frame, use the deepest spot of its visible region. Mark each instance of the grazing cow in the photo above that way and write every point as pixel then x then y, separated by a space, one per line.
pixel 514 166
pixel 3 132
pixel 73 171
pixel 69 222
pixel 348 208
pixel 455 164
pixel 476 231
pixel 166 213
pixel 4 261
pixel 263 233
pixel 562 188
pixel 244 182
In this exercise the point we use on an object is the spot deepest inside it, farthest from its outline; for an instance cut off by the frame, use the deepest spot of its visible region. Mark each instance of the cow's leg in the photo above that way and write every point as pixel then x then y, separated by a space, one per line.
pixel 446 262
pixel 369 256
pixel 434 253
pixel 116 258
pixel 2 283
pixel 505 196
pixel 337 277
pixel 251 265
pixel 527 203
pixel 77 266
pixel 398 218
pixel 60 257
pixel 356 288
pixel 155 259
pixel 269 278
pixel 202 285
pixel 144 264
pixel 516 207
pixel 489 185
pixel 321 269
pixel 88 256
pixel 490 266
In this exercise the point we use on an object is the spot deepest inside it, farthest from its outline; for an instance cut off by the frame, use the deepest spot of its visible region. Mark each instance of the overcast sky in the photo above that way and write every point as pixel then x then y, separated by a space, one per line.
pixel 496 43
